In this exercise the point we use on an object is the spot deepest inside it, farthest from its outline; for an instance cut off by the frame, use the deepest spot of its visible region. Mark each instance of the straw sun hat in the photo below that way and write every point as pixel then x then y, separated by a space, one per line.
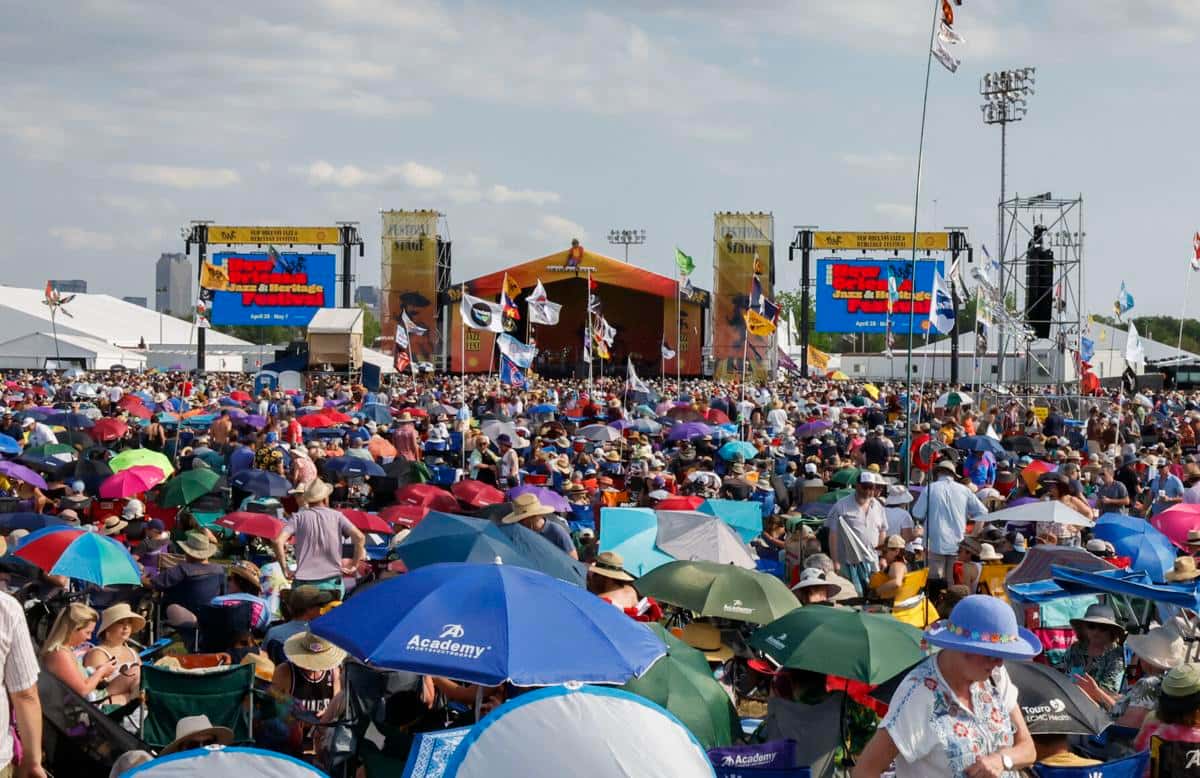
pixel 610 564
pixel 118 613
pixel 307 651
pixel 526 506
pixel 192 730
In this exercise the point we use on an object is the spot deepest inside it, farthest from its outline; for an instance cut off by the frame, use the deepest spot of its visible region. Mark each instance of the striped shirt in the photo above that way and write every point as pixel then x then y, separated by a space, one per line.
pixel 20 666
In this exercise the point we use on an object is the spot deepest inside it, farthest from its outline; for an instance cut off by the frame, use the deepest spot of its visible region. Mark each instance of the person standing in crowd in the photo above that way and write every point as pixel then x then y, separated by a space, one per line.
pixel 319 531
pixel 857 526
pixel 1113 497
pixel 1164 489
pixel 406 440
pixel 20 704
pixel 945 506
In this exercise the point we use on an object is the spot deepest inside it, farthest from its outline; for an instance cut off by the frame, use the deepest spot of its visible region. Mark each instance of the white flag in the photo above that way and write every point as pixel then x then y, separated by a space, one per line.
pixel 946 37
pixel 688 290
pixel 941 306
pixel 1135 353
pixel 667 353
pixel 541 310
pixel 632 382
pixel 401 336
pixel 520 353
pixel 481 314
pixel 607 331
pixel 411 325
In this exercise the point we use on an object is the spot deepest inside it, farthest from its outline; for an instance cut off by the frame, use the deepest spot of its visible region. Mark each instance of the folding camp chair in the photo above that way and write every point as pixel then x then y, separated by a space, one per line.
pixel 383 709
pixel 225 696
pixel 991 580
pixel 1173 759
pixel 77 737
pixel 221 626
pixel 193 594
pixel 910 604
pixel 1132 766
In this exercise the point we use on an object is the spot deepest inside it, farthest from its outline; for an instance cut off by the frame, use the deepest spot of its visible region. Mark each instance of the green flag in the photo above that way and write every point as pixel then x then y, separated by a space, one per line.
pixel 685 263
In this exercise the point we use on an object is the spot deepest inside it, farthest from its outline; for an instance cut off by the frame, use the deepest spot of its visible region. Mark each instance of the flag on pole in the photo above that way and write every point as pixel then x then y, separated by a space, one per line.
pixel 632 382
pixel 770 310
pixel 508 298
pixel 946 37
pixel 1124 301
pixel 587 344
pixel 511 374
pixel 1135 353
pixel 1196 248
pixel 758 325
pixel 1087 349
pixel 817 359
pixel 480 314
pixel 685 263
pixel 521 354
pixel 667 353
pixel 756 294
pixel 410 325
pixel 688 290
pixel 893 293
pixel 605 331
pixel 941 307
pixel 787 363
pixel 541 310
pixel 401 358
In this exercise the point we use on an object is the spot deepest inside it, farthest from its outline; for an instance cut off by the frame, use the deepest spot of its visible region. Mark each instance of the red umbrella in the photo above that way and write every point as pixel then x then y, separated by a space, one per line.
pixel 714 416
pixel 1176 521
pixel 239 395
pixel 429 496
pixel 685 413
pixel 417 413
pixel 679 503
pixel 261 525
pixel 477 494
pixel 404 515
pixel 131 481
pixel 316 420
pixel 335 416
pixel 140 411
pixel 130 401
pixel 108 429
pixel 367 522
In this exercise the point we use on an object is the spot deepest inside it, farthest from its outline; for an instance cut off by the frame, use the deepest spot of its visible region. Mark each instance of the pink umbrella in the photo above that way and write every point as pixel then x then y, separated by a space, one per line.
pixel 1176 521
pixel 131 481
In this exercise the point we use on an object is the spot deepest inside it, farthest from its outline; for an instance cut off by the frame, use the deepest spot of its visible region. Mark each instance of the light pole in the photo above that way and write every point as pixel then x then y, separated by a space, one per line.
pixel 627 238
pixel 1004 93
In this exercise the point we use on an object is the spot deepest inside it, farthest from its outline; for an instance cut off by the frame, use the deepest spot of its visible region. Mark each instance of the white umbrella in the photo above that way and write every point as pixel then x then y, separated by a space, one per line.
pixel 952 399
pixel 599 433
pixel 691 536
pixel 215 760
pixel 598 732
pixel 1045 510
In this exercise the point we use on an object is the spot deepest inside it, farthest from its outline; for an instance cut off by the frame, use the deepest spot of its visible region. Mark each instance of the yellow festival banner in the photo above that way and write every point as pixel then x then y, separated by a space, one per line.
pixel 741 241
pixel 408 280
pixel 759 325
pixel 317 236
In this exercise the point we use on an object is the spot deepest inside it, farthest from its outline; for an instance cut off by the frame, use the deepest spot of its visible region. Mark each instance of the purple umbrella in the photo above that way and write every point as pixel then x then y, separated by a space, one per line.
pixel 253 420
pixel 545 497
pixel 689 430
pixel 620 424
pixel 812 428
pixel 21 473
pixel 1020 501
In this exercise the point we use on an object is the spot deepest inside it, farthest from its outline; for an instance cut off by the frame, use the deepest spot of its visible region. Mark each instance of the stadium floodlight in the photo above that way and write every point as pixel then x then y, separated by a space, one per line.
pixel 627 238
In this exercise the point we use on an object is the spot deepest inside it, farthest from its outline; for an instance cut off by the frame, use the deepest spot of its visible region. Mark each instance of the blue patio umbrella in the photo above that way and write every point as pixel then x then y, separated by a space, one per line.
pixel 260 483
pixel 633 533
pixel 544 408
pixel 491 624
pixel 344 467
pixel 736 448
pixel 29 521
pixel 229 402
pixel 647 426
pixel 76 421
pixel 980 443
pixel 143 396
pixel 9 445
pixel 444 537
pixel 376 412
pixel 1149 550
pixel 745 516
pixel 200 421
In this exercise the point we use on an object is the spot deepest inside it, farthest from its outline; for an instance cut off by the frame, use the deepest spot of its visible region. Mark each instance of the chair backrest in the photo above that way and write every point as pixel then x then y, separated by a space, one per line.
pixel 1132 766
pixel 913 584
pixel 816 742
pixel 221 695
pixel 991 580
pixel 194 592
pixel 1173 758
pixel 203 661
pixel 221 625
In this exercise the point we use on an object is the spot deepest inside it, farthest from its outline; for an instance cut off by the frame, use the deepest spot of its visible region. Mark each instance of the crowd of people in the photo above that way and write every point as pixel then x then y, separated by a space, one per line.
pixel 861 491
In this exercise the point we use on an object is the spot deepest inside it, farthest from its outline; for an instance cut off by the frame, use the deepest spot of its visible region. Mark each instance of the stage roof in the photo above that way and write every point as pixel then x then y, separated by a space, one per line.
pixel 605 270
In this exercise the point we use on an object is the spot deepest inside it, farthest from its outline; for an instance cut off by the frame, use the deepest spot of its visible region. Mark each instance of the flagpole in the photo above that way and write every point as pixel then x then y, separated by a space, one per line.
pixel 1179 344
pixel 908 415
pixel 745 353
pixel 678 341
pixel 587 324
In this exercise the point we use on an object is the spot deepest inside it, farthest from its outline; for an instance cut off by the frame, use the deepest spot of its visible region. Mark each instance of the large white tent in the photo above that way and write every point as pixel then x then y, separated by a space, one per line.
pixel 38 351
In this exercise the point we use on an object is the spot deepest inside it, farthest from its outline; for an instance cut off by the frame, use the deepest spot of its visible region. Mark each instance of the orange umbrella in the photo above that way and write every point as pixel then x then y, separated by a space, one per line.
pixel 380 447
pixel 1033 471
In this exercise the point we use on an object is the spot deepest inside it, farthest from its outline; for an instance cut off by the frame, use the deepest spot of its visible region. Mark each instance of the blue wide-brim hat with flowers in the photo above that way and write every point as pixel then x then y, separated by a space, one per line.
pixel 982 624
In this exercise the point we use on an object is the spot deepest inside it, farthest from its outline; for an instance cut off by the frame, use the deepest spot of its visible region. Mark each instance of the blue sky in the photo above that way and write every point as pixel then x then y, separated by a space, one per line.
pixel 529 124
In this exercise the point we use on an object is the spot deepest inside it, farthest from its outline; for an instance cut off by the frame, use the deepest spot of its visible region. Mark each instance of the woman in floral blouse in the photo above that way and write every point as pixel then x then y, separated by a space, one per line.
pixel 956 713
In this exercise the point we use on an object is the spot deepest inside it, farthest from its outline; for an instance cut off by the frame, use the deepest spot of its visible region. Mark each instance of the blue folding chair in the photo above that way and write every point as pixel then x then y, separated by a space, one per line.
pixel 456 442
pixel 443 475
pixel 582 517
pixel 1133 766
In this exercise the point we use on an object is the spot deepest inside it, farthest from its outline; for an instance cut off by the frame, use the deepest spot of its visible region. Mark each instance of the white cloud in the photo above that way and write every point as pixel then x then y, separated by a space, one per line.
pixel 78 239
pixel 412 174
pixel 417 175
pixel 558 229
pixel 499 193
pixel 182 177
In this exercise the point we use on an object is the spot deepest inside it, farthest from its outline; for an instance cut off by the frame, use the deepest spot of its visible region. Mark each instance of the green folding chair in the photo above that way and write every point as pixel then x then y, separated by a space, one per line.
pixel 225 696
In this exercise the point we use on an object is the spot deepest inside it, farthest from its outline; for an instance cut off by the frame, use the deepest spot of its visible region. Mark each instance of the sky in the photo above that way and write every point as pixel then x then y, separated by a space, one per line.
pixel 531 123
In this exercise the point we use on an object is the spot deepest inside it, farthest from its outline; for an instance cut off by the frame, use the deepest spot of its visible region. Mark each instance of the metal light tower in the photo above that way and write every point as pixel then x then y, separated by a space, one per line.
pixel 627 238
pixel 1005 94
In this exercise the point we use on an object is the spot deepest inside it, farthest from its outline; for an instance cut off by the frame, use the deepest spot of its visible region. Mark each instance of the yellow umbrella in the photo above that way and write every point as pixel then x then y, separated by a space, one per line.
pixel 838 375
pixel 872 391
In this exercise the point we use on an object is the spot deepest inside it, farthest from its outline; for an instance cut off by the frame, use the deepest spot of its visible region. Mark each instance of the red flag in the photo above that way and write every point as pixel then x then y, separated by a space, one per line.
pixel 948 12
pixel 593 285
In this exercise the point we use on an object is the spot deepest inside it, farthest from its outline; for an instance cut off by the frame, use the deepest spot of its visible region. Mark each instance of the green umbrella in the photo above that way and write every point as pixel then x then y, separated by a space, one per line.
pixel 850 644
pixel 186 488
pixel 214 460
pixel 714 589
pixel 847 476
pixel 682 683
pixel 141 456
pixel 829 498
pixel 50 449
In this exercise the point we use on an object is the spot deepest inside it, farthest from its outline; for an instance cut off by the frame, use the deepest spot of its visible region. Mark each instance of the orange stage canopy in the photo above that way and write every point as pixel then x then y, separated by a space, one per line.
pixel 555 267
